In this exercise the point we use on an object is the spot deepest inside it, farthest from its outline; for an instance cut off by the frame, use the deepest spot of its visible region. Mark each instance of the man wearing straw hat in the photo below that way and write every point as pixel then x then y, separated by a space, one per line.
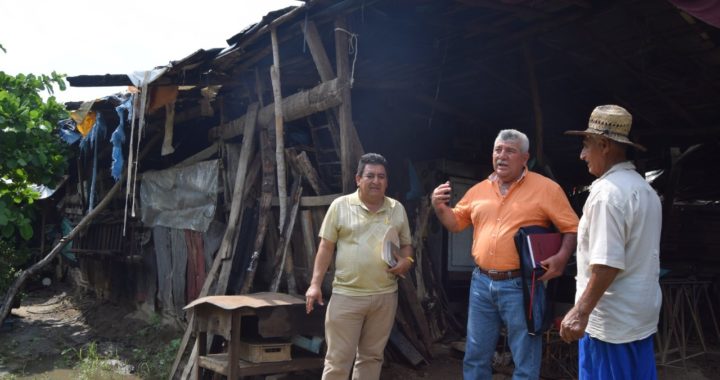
pixel 618 296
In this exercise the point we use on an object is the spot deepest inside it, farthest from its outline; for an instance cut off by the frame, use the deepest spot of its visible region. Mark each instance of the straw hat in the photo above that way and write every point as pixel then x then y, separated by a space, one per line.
pixel 610 121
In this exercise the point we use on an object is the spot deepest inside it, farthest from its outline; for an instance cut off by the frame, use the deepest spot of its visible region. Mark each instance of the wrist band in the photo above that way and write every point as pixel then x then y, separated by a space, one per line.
pixel 411 259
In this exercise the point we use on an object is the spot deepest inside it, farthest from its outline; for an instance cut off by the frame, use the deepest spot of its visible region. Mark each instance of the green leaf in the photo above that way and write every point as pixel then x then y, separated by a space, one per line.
pixel 26 231
pixel 8 230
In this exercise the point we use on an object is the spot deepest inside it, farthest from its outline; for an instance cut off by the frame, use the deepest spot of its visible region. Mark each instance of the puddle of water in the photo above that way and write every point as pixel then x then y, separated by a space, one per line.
pixel 69 374
pixel 47 369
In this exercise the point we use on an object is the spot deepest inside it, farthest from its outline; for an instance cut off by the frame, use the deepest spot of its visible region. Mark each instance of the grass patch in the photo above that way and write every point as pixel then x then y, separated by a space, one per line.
pixel 154 360
pixel 155 365
pixel 91 364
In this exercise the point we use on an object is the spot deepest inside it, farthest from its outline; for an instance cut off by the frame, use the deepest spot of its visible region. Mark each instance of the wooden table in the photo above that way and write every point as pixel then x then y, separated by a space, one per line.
pixel 222 315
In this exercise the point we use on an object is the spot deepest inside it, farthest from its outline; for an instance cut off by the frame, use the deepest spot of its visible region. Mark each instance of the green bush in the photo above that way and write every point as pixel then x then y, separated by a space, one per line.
pixel 31 152
pixel 11 260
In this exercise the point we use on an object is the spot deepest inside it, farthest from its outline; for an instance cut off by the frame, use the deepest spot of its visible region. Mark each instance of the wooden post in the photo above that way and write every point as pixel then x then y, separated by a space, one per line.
pixel 309 244
pixel 279 128
pixel 350 148
pixel 536 105
pixel 286 232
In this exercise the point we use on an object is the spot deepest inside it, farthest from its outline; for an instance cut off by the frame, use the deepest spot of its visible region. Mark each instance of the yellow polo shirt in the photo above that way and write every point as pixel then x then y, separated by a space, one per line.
pixel 358 234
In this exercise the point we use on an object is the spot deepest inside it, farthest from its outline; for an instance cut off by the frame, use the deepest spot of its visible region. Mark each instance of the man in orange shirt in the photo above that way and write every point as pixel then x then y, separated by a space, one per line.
pixel 510 198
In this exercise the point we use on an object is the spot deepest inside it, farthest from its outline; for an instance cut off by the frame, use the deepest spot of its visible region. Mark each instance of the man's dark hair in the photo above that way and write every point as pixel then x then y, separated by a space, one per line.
pixel 372 159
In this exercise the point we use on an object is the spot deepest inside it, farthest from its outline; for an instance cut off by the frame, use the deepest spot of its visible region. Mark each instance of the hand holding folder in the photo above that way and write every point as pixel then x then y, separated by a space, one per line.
pixel 542 246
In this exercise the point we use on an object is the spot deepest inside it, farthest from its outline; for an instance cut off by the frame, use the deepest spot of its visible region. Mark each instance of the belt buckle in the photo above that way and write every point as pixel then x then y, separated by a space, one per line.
pixel 496 274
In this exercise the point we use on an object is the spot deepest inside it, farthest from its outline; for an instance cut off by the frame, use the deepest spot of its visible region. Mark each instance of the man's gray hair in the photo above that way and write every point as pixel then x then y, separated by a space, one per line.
pixel 514 135
pixel 370 159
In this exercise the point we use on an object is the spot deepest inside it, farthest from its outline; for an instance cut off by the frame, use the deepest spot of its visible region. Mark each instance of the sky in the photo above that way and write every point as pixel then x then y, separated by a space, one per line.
pixel 85 37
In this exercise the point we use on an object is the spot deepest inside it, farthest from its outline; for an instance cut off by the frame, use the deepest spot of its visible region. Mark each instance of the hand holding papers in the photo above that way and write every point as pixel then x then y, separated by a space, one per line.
pixel 391 247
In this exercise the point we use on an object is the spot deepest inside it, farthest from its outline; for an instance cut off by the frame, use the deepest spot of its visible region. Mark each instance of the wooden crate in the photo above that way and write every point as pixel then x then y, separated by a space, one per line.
pixel 265 351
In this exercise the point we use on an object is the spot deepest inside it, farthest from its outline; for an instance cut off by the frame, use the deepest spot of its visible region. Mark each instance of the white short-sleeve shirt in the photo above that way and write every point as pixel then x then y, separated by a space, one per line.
pixel 620 227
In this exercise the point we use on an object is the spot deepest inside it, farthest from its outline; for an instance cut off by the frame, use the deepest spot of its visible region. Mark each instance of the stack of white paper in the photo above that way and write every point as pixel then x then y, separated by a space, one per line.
pixel 390 247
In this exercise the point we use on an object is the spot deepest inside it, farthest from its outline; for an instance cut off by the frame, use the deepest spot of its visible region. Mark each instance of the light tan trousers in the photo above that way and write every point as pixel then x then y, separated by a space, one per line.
pixel 357 328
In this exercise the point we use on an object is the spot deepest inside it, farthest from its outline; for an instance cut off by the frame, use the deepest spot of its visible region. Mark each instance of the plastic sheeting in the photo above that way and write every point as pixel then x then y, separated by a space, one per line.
pixel 183 198
pixel 138 77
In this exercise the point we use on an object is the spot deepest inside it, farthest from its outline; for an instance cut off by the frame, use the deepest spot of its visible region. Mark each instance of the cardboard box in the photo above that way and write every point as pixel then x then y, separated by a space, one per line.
pixel 265 350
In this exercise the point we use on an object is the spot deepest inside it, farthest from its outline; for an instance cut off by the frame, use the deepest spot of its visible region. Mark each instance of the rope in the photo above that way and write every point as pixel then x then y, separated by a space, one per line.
pixel 352 49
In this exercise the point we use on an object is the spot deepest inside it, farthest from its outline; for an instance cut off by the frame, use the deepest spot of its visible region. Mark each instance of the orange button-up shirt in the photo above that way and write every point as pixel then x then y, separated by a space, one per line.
pixel 533 200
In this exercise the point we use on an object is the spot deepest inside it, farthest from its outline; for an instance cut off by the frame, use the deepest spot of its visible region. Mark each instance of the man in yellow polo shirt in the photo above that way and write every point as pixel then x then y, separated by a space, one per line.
pixel 362 308
pixel 512 197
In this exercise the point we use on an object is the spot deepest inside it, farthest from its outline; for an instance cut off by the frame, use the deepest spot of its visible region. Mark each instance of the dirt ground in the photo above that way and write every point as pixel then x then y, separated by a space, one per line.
pixel 55 326
pixel 41 338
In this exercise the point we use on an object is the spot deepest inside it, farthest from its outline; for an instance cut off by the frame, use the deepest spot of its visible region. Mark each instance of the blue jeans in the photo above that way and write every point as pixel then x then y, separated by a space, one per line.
pixel 492 304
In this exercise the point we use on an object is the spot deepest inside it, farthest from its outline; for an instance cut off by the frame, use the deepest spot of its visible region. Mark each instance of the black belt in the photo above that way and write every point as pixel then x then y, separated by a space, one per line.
pixel 501 275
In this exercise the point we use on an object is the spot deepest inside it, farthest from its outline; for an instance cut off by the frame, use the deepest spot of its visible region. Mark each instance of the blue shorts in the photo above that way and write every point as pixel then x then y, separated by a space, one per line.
pixel 608 361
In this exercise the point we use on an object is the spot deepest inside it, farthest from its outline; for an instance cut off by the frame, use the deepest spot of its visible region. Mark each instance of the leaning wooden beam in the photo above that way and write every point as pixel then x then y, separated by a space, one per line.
pixel 406 328
pixel 252 176
pixel 326 72
pixel 227 247
pixel 24 275
pixel 300 163
pixel 408 295
pixel 317 50
pixel 286 233
pixel 406 348
pixel 309 172
pixel 279 128
pixel 304 103
pixel 222 258
pixel 268 186
pixel 350 148
pixel 225 267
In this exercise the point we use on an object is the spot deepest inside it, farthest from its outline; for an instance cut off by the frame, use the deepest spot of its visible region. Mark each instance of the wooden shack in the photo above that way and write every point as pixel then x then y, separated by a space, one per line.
pixel 286 109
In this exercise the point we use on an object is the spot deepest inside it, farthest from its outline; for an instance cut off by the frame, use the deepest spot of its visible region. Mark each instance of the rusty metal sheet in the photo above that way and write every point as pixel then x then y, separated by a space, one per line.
pixel 253 301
